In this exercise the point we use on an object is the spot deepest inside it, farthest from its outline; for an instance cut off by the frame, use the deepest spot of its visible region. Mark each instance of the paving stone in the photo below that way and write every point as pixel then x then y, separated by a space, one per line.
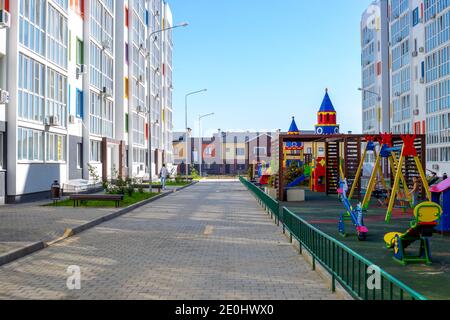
pixel 161 251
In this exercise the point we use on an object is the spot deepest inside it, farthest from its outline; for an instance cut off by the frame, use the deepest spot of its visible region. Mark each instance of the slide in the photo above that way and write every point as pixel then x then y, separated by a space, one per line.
pixel 297 181
pixel 441 187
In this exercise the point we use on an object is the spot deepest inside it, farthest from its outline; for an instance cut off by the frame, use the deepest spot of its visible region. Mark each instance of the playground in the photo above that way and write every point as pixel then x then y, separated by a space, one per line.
pixel 371 193
pixel 433 280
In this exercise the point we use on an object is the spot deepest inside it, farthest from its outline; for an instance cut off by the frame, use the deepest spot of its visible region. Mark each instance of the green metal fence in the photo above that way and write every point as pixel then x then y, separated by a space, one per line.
pixel 347 267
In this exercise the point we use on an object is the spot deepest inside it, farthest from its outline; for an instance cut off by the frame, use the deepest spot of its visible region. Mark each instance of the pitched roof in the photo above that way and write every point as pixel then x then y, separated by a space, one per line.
pixel 293 128
pixel 327 105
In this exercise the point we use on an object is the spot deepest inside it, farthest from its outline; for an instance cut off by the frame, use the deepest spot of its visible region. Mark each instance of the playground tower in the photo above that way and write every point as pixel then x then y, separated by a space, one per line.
pixel 327 117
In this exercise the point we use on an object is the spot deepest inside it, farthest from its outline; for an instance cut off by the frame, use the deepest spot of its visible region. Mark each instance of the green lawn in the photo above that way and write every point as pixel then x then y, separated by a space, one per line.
pixel 127 201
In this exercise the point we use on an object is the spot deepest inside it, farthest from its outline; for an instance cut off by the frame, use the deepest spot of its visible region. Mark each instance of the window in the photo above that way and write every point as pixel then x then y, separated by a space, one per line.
pixel 101 116
pixel 80 52
pixel 55 147
pixel 96 151
pixel 32 25
pixel 56 37
pixel 262 151
pixel 138 129
pixel 56 96
pixel 79 155
pixel 126 122
pixel 416 18
pixel 139 155
pixel 240 151
pixel 31 89
pixel 79 104
pixel 30 145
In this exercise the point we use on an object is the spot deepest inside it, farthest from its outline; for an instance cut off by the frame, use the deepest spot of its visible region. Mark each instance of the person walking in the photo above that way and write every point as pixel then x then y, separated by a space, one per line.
pixel 163 175
pixel 415 192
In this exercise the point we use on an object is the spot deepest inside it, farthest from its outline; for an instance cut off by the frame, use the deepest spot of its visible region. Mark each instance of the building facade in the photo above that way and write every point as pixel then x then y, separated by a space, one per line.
pixel 79 95
pixel 375 68
pixel 225 153
pixel 419 80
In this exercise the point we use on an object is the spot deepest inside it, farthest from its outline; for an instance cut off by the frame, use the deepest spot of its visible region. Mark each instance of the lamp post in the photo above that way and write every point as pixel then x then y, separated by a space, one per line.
pixel 378 99
pixel 149 93
pixel 186 124
pixel 200 144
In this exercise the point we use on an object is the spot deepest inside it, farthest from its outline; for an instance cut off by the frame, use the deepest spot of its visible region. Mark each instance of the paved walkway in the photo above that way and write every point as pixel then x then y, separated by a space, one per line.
pixel 210 241
pixel 23 224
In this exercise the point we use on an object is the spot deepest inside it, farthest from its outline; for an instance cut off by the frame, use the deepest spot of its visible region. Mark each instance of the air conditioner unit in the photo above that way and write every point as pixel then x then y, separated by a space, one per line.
pixel 141 78
pixel 71 119
pixel 421 49
pixel 398 94
pixel 435 167
pixel 422 80
pixel 52 121
pixel 416 112
pixel 415 53
pixel 81 69
pixel 106 92
pixel 140 109
pixel 433 16
pixel 399 39
pixel 5 19
pixel 106 44
pixel 4 97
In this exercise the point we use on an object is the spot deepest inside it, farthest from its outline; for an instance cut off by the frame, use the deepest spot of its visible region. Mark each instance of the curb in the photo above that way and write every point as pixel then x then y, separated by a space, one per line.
pixel 22 252
pixel 37 246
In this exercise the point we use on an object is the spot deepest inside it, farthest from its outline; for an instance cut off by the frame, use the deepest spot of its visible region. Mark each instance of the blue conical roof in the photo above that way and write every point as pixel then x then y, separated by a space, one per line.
pixel 293 128
pixel 327 105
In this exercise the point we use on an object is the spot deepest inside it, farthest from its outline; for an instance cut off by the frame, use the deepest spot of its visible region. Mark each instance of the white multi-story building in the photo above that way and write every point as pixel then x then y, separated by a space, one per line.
pixel 375 68
pixel 4 95
pixel 419 66
pixel 78 91
pixel 436 19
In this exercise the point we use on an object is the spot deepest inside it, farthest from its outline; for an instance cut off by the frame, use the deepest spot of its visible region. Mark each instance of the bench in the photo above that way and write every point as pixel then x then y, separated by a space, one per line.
pixel 117 198
pixel 159 187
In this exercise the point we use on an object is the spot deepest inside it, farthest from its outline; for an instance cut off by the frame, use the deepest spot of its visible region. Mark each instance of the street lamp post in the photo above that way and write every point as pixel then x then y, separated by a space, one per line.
pixel 186 125
pixel 149 94
pixel 378 99
pixel 200 144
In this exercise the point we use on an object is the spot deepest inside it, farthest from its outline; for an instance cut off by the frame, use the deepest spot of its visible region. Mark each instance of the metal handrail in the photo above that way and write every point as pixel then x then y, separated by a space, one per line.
pixel 346 267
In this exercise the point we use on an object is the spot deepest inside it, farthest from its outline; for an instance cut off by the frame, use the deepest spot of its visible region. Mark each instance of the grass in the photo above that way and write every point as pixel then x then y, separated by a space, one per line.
pixel 127 201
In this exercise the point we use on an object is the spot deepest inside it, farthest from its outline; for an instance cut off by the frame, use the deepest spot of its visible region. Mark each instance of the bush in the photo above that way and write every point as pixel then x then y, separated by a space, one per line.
pixel 195 175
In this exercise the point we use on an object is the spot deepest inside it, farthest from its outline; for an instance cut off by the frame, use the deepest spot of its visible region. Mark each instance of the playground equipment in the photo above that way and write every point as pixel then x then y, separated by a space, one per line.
pixel 326 117
pixel 318 175
pixel 427 216
pixel 353 214
pixel 438 192
pixel 303 177
pixel 408 150
pixel 389 152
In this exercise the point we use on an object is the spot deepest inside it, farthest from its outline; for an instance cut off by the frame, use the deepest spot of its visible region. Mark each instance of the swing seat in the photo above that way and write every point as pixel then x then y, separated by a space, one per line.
pixel 427 216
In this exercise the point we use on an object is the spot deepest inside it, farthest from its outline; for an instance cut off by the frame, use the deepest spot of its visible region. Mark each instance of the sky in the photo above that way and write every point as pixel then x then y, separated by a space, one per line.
pixel 265 61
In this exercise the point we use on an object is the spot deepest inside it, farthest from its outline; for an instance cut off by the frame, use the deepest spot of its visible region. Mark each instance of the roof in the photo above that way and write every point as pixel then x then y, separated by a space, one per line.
pixel 293 128
pixel 327 105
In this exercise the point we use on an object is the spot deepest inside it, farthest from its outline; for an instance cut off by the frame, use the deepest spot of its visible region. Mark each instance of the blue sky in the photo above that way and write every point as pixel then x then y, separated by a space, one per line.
pixel 264 61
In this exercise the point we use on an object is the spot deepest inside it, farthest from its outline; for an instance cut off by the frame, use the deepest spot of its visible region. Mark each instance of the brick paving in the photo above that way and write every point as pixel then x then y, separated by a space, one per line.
pixel 210 241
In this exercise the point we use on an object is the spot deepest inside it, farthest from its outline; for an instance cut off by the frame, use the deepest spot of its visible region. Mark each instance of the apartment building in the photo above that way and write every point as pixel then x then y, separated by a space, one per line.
pixel 225 153
pixel 4 94
pixel 375 68
pixel 419 80
pixel 78 89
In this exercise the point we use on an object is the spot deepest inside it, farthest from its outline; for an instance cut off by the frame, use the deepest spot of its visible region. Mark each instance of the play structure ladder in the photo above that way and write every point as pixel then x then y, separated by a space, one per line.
pixel 352 151
pixel 332 170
